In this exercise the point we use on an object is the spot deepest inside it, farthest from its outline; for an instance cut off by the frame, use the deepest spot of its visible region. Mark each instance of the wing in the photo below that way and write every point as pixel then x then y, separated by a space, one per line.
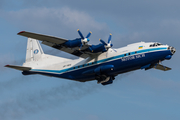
pixel 43 37
pixel 157 66
pixel 57 43
pixel 161 67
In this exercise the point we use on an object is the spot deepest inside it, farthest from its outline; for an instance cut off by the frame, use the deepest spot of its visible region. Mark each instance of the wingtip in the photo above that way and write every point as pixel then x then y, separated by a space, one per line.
pixel 110 34
pixel 21 32
pixel 6 66
pixel 99 39
pixel 77 29
pixel 90 32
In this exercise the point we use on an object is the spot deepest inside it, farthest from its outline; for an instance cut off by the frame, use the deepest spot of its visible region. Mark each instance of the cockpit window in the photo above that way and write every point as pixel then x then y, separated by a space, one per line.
pixel 155 44
pixel 159 44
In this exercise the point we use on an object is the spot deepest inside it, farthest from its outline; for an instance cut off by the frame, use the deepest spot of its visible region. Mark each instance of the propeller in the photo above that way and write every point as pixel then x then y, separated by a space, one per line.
pixel 107 45
pixel 84 40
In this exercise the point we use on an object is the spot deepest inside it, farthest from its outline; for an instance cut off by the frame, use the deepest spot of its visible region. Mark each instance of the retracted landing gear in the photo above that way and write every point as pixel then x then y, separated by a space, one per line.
pixel 104 80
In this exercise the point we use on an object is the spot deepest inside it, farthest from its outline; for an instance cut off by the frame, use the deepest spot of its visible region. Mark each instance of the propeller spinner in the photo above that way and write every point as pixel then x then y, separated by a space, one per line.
pixel 84 40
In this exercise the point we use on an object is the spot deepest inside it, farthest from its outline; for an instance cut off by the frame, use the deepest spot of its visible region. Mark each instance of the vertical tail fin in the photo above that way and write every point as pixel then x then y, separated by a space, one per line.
pixel 34 50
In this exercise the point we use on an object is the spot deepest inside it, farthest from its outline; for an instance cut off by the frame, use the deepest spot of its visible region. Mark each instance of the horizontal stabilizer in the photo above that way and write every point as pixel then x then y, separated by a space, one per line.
pixel 21 68
pixel 161 67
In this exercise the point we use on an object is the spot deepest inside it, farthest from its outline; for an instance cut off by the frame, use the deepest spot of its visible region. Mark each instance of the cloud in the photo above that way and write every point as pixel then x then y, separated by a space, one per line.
pixel 121 8
pixel 55 21
pixel 132 21
pixel 14 82
pixel 24 104
pixel 7 59
pixel 28 102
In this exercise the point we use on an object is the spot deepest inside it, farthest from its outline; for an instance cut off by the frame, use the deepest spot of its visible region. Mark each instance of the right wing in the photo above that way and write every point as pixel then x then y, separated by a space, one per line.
pixel 57 43
pixel 161 67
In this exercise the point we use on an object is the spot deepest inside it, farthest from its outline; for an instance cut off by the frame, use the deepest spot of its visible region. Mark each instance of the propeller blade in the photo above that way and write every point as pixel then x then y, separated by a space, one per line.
pixel 80 47
pixel 90 49
pixel 109 39
pixel 102 41
pixel 89 34
pixel 82 37
pixel 114 50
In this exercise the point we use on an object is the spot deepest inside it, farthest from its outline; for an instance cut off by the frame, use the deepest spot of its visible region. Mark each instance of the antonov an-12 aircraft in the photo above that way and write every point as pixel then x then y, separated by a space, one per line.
pixel 96 62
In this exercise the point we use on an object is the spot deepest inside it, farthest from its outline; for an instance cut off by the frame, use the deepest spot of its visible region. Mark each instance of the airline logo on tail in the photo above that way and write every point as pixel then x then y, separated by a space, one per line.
pixel 36 51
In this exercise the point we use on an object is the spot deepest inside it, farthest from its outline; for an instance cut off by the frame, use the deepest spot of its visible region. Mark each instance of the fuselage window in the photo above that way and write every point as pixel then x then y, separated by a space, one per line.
pixel 135 52
pixel 129 53
pixel 73 67
pixel 124 54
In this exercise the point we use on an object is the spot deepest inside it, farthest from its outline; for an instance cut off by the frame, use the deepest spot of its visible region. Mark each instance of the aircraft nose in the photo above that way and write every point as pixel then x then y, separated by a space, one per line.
pixel 172 49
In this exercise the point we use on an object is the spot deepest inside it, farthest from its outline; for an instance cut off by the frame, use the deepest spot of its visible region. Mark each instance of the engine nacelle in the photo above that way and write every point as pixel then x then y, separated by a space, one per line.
pixel 103 69
pixel 73 43
pixel 99 70
pixel 97 48
pixel 168 57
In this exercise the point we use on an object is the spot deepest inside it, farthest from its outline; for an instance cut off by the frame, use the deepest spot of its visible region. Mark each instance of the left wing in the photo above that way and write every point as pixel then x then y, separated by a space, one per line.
pixel 43 37
pixel 57 43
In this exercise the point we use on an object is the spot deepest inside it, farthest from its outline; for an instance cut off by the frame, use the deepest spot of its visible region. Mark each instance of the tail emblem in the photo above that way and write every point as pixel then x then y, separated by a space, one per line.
pixel 36 51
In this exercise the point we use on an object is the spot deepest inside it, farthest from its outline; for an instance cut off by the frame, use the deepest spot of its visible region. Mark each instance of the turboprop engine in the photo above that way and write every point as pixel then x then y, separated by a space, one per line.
pixel 102 47
pixel 78 42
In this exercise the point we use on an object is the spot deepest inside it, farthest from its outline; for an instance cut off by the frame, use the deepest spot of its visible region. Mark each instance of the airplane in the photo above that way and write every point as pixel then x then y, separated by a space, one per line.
pixel 96 62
